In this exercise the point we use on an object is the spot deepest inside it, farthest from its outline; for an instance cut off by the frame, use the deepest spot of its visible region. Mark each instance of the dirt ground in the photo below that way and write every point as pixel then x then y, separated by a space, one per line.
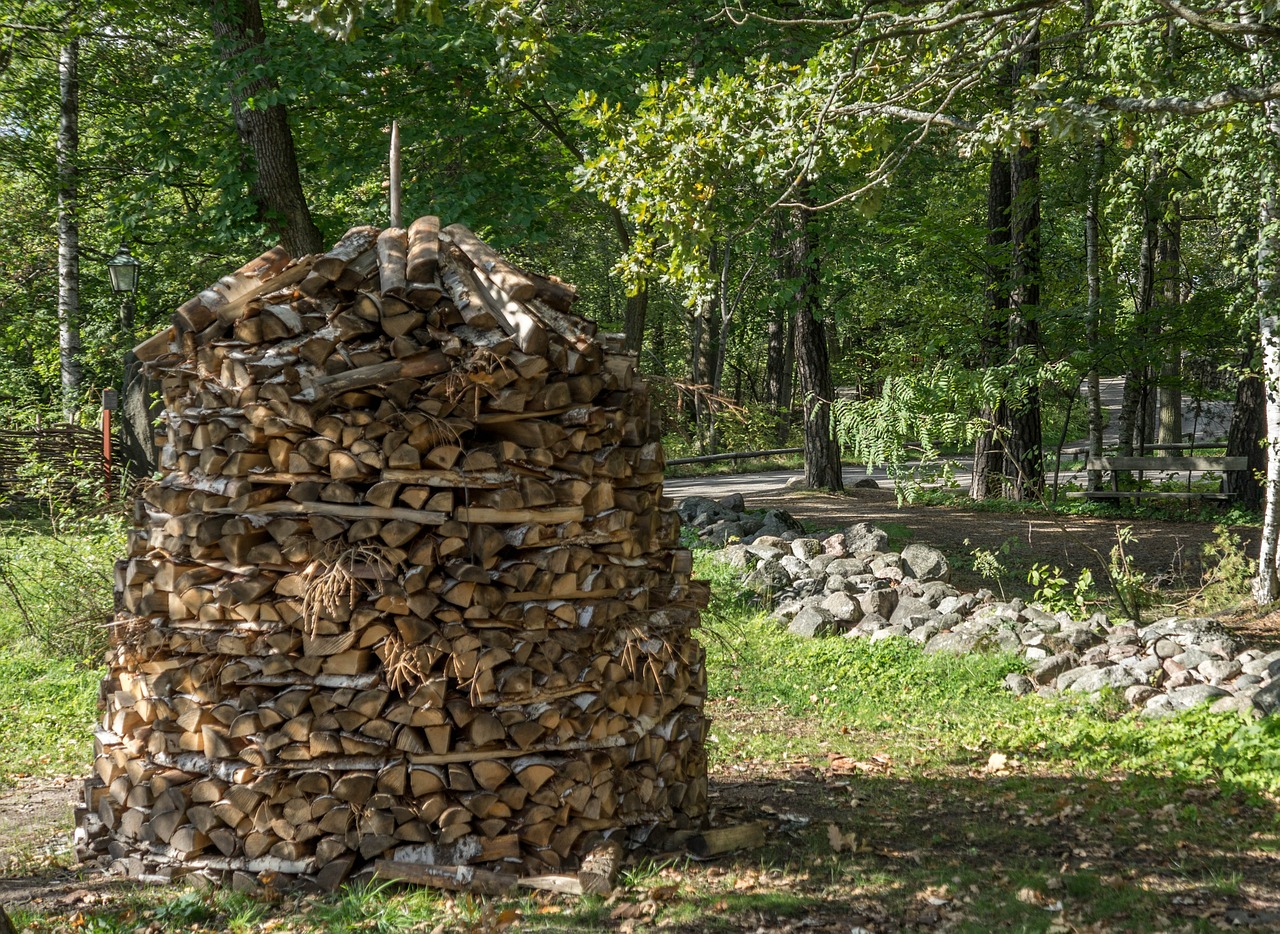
pixel 920 852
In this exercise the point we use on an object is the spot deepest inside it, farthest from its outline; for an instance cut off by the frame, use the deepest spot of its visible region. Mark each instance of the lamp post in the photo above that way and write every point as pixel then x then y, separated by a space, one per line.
pixel 123 269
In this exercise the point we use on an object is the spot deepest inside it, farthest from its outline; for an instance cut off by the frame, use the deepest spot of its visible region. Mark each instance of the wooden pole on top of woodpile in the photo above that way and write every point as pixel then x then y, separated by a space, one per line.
pixel 395 173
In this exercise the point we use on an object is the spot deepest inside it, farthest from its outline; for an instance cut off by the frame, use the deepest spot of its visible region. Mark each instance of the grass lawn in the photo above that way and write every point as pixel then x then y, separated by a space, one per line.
pixel 901 792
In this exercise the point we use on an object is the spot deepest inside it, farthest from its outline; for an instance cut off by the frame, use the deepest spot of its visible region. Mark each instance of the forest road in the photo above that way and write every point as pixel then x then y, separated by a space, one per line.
pixel 1208 420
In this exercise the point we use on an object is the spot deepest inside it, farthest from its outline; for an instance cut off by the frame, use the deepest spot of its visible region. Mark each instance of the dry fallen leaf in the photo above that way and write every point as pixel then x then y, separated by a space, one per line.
pixel 840 841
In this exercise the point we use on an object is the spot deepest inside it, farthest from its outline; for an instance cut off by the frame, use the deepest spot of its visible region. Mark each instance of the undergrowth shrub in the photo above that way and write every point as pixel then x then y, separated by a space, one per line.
pixel 56 586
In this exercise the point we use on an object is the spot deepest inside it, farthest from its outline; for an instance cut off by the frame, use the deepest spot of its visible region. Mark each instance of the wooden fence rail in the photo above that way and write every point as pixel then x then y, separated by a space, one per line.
pixel 63 461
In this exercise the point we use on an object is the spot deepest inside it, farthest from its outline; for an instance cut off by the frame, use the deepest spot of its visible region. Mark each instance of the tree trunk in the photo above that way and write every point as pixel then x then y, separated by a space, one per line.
pixel 264 131
pixel 1024 445
pixel 1093 314
pixel 634 320
pixel 1244 438
pixel 821 450
pixel 1128 418
pixel 987 450
pixel 1265 585
pixel 1169 267
pixel 69 228
pixel 780 353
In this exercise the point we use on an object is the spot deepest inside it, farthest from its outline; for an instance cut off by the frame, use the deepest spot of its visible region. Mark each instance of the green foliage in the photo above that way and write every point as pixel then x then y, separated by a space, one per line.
pixel 1054 592
pixel 1229 571
pixel 56 586
pixel 1126 579
pixel 48 708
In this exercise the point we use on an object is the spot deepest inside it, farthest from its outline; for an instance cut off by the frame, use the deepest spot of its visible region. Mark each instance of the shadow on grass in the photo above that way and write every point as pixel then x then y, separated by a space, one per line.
pixel 852 845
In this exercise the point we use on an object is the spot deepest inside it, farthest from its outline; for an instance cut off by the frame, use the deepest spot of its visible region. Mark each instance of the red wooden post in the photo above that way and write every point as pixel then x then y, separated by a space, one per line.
pixel 110 400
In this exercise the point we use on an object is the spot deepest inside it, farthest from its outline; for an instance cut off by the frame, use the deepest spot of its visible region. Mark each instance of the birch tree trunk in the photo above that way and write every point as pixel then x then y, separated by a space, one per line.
pixel 1093 312
pixel 1268 276
pixel 1169 387
pixel 264 131
pixel 69 227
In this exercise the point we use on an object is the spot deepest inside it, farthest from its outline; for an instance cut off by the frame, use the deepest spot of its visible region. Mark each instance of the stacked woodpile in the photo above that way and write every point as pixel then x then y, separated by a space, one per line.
pixel 408 588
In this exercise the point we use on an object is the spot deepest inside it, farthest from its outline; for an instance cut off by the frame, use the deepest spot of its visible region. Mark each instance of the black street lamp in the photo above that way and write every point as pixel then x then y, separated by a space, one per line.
pixel 123 269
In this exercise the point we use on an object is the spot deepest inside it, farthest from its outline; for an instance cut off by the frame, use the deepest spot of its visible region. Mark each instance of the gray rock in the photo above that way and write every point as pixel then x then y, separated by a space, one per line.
pixel 872 622
pixel 925 631
pixel 811 622
pixel 864 538
pixel 795 483
pixel 736 556
pixel 879 602
pixel 1018 684
pixel 1082 638
pixel 934 592
pixel 1037 615
pixel 866 483
pixel 1236 704
pixel 820 563
pixel 733 502
pixel 1183 698
pixel 843 607
pixel 1192 657
pixel 806 548
pixel 768 577
pixel 1137 695
pixel 1220 646
pixel 1268 697
pixel 794 566
pixel 1064 681
pixel 955 643
pixel 1158 707
pixel 962 604
pixel 834 545
pixel 925 563
pixel 766 550
pixel 693 508
pixel 835 583
pixel 724 531
pixel 781 519
pixel 808 587
pixel 1167 648
pixel 848 567
pixel 888 567
pixel 1007 640
pixel 911 612
pixel 1268 664
pixel 1217 670
pixel 1113 677
pixel 1180 679
pixel 889 632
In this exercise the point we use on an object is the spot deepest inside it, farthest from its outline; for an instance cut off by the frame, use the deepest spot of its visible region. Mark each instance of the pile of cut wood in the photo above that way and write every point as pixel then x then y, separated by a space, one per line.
pixel 408 590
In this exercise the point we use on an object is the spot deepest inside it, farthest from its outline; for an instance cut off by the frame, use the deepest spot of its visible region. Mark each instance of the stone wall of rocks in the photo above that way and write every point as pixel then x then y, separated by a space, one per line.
pixel 848 583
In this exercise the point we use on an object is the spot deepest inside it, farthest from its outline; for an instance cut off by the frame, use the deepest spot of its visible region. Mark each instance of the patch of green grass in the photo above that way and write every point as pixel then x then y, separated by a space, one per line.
pixel 48 709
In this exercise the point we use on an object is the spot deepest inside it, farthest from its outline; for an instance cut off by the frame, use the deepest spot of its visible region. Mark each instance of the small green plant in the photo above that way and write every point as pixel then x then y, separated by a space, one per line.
pixel 1127 580
pixel 988 563
pixel 1228 571
pixel 1054 592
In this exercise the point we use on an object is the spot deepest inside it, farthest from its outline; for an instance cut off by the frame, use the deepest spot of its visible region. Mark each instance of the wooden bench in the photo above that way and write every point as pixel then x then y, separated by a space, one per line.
pixel 1142 465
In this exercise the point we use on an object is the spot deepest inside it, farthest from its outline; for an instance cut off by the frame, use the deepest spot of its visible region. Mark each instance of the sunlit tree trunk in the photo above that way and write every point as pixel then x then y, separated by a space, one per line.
pixel 68 147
